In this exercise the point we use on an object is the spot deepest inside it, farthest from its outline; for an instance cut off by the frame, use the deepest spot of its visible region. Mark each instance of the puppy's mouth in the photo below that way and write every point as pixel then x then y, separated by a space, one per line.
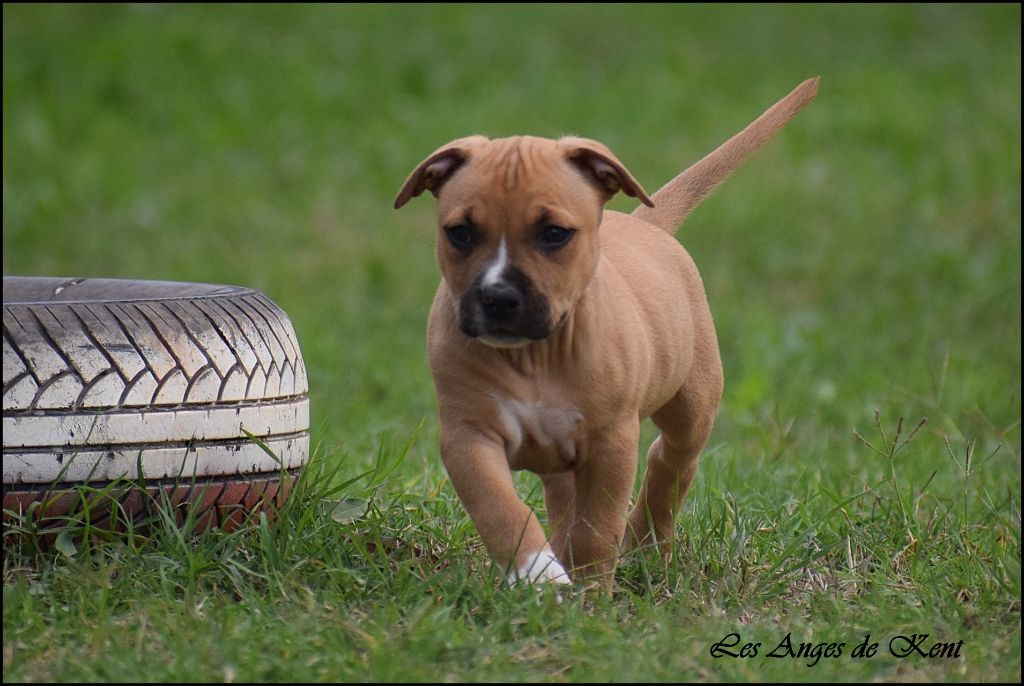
pixel 504 340
pixel 497 335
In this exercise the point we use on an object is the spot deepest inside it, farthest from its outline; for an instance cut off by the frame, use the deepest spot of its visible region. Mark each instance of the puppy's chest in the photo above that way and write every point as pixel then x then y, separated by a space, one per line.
pixel 541 437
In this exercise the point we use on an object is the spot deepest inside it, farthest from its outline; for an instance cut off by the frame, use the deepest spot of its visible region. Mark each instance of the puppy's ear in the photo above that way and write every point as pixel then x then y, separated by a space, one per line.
pixel 438 168
pixel 599 165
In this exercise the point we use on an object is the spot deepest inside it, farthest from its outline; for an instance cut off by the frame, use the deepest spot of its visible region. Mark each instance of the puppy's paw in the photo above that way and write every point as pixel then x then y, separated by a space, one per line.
pixel 540 567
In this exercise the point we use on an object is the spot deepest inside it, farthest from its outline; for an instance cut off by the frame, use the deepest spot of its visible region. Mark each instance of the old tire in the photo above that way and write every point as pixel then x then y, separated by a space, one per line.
pixel 153 382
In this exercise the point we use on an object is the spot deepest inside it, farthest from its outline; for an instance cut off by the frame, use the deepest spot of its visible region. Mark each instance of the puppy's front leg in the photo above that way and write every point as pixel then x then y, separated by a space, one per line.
pixel 560 501
pixel 478 468
pixel 604 483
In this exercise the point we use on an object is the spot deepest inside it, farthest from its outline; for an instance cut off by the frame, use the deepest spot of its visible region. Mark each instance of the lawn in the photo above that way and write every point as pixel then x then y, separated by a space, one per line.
pixel 863 270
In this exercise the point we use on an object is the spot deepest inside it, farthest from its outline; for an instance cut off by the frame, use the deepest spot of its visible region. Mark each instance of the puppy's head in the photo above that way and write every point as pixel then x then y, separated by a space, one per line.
pixel 518 222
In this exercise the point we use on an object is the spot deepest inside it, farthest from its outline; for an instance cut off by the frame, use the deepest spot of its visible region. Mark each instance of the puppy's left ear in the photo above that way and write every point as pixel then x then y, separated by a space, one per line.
pixel 432 172
pixel 602 167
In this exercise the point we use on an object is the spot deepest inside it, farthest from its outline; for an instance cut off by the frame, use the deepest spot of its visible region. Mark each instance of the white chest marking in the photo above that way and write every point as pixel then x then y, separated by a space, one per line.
pixel 494 270
pixel 551 427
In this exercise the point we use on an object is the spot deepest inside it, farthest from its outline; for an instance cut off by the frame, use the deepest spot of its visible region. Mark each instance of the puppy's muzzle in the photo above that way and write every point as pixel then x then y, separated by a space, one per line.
pixel 500 302
pixel 507 312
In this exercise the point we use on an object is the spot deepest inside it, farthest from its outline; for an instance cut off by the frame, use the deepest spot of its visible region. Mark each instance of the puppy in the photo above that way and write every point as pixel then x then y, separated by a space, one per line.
pixel 557 327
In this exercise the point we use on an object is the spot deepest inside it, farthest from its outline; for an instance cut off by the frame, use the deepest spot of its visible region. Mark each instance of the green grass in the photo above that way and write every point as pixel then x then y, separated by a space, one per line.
pixel 866 261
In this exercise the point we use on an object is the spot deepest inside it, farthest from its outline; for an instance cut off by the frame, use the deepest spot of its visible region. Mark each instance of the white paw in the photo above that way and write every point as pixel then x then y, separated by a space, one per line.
pixel 542 566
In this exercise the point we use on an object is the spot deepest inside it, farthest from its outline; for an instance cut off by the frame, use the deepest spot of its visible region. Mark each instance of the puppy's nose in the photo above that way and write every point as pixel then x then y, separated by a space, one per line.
pixel 500 300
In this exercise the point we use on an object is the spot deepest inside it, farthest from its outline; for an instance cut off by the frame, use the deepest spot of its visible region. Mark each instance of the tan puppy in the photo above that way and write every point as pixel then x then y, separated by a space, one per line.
pixel 557 328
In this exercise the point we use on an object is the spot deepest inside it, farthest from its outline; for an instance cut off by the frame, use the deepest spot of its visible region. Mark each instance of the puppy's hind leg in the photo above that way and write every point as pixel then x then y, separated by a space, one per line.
pixel 685 422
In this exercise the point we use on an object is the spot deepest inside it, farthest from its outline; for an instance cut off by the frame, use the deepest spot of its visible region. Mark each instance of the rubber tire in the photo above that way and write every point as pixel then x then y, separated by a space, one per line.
pixel 153 381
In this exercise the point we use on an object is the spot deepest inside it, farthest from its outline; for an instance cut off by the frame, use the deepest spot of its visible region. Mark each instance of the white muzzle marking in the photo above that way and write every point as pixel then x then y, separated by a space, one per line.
pixel 494 271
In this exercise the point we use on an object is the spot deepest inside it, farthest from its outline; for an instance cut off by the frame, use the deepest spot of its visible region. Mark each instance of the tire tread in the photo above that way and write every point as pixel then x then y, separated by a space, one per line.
pixel 72 356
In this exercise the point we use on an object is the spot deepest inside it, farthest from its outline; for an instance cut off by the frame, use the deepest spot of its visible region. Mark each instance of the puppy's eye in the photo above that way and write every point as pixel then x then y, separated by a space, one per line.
pixel 553 237
pixel 460 236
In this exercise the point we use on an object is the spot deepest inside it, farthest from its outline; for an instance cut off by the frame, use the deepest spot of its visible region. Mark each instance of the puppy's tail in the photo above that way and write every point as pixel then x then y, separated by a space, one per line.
pixel 674 201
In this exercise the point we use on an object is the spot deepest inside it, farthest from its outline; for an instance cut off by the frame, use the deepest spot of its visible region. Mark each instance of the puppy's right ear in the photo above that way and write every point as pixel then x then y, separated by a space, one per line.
pixel 438 168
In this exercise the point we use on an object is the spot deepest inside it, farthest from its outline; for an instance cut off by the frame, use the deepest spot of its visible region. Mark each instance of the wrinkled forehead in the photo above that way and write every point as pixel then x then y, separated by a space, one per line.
pixel 516 178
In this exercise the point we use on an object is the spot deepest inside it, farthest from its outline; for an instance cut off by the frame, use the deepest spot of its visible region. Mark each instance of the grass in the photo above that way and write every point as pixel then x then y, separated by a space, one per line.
pixel 863 270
